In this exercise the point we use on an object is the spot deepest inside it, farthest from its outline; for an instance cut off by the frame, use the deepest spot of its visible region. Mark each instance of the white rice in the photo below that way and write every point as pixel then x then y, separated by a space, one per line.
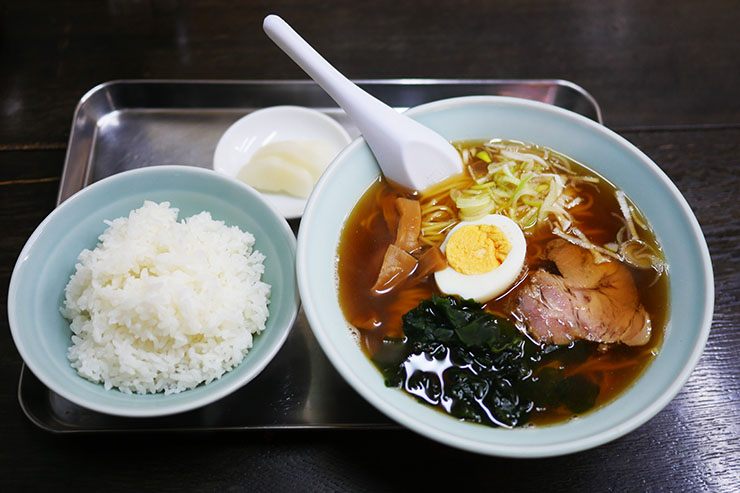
pixel 164 306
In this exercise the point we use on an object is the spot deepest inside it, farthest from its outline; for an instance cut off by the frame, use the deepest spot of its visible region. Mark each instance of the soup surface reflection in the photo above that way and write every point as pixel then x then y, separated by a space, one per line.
pixel 509 364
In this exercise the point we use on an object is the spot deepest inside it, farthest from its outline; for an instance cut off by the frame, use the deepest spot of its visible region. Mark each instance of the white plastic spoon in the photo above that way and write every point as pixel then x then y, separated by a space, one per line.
pixel 409 154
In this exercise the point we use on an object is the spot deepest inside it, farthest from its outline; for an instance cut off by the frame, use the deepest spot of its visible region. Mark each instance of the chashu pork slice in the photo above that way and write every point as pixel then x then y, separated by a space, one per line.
pixel 596 302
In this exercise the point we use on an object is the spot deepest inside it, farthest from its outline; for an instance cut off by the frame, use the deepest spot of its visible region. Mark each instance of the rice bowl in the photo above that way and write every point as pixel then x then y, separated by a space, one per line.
pixel 44 267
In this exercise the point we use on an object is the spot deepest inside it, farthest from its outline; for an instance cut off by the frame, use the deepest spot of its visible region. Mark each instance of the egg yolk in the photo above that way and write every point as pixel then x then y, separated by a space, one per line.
pixel 477 249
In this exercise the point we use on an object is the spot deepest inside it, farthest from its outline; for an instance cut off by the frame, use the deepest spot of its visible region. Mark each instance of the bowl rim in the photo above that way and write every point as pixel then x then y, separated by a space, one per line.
pixel 444 436
pixel 156 409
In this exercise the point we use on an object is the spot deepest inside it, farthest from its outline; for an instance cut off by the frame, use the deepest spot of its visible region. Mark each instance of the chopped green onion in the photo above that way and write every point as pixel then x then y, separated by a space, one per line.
pixel 483 156
pixel 530 202
pixel 537 187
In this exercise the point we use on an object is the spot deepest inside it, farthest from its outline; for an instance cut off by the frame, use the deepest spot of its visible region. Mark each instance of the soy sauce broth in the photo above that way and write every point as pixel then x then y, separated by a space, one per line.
pixel 613 367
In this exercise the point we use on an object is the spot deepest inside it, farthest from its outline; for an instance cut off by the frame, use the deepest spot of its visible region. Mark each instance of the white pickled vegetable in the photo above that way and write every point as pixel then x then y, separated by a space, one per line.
pixel 272 174
pixel 292 167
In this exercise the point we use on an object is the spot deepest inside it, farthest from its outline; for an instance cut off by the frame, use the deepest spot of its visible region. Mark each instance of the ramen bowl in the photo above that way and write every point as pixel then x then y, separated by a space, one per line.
pixel 48 259
pixel 605 152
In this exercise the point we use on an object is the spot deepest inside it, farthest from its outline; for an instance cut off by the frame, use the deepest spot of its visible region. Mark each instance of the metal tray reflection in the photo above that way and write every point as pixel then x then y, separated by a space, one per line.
pixel 123 125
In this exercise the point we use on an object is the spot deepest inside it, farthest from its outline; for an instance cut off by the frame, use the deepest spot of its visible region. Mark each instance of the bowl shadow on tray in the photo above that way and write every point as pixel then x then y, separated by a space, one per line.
pixel 302 386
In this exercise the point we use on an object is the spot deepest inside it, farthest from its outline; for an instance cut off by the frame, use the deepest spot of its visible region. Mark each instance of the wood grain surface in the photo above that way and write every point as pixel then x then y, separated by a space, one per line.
pixel 666 75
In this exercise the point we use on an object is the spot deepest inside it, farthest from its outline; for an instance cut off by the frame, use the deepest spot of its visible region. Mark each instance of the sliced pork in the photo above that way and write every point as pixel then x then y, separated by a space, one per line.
pixel 596 302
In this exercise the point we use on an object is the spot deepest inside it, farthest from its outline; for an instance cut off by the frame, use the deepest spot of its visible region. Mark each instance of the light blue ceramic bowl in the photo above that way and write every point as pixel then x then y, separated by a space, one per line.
pixel 692 290
pixel 48 259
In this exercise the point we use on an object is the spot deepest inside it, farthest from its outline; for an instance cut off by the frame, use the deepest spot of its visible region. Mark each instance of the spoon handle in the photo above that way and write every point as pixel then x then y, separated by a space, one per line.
pixel 355 102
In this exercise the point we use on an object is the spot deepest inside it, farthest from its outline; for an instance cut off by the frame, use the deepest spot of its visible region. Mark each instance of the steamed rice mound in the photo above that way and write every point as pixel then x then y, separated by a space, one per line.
pixel 163 306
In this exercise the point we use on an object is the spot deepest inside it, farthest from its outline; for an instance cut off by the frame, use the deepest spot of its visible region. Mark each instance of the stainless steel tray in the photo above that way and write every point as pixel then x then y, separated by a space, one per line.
pixel 129 124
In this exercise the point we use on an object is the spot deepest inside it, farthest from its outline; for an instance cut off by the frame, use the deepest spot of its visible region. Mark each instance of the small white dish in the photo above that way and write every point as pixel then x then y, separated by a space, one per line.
pixel 276 124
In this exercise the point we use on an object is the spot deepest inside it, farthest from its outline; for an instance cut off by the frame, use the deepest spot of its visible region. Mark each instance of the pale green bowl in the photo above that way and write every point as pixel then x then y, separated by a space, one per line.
pixel 48 259
pixel 484 117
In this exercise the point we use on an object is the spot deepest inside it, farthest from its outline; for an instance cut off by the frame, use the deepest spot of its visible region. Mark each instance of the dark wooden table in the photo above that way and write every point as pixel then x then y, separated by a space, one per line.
pixel 666 75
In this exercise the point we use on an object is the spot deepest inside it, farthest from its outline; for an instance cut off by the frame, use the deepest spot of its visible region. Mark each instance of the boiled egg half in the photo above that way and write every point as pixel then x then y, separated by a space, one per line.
pixel 484 258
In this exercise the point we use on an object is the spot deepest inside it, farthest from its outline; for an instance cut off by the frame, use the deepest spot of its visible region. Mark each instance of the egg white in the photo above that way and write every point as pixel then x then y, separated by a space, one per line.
pixel 485 287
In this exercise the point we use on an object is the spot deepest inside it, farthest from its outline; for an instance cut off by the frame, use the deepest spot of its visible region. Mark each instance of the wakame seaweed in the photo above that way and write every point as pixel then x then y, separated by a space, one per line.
pixel 464 322
pixel 477 366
